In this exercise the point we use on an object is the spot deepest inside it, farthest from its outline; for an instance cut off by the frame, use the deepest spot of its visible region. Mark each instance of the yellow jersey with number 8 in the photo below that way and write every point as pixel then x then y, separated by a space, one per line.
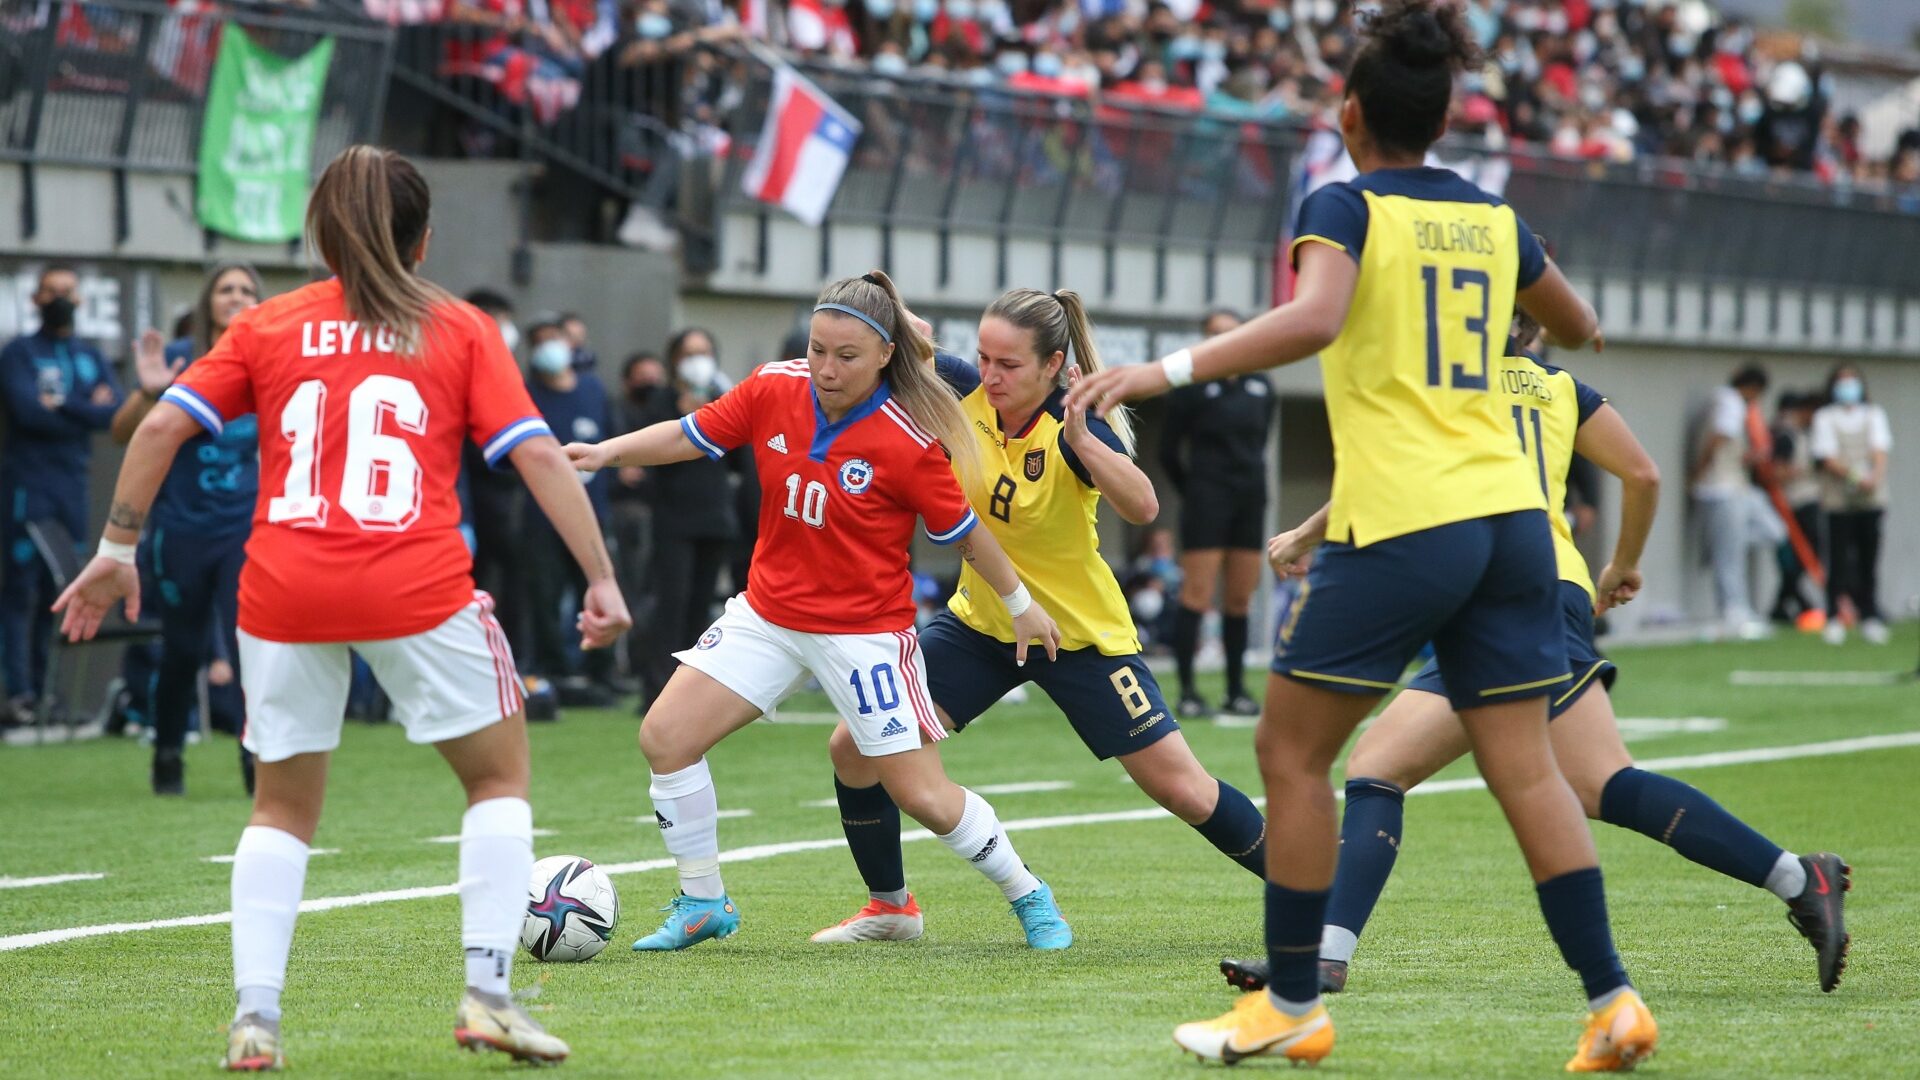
pixel 1547 406
pixel 1421 438
pixel 1040 503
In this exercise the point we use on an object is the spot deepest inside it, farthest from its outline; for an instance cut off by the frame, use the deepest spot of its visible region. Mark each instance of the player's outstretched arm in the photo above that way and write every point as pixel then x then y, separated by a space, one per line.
pixel 1295 330
pixel 1285 551
pixel 111 576
pixel 1606 441
pixel 550 476
pixel 1030 621
pixel 1122 483
pixel 1564 314
pixel 656 444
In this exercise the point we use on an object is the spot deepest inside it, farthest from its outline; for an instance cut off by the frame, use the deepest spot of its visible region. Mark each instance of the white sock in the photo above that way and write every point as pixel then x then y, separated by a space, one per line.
pixel 980 840
pixel 689 816
pixel 1337 943
pixel 269 874
pixel 1295 1009
pixel 496 859
pixel 1788 878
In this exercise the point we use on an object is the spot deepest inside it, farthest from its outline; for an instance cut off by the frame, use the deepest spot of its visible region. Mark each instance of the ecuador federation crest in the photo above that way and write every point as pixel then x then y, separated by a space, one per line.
pixel 1035 464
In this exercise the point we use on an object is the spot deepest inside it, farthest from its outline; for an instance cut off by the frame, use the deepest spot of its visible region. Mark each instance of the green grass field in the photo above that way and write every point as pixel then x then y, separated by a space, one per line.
pixel 1456 976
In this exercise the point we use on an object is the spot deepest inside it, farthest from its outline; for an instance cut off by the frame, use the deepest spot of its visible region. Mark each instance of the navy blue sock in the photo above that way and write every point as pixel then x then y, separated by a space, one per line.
pixel 1238 830
pixel 1684 818
pixel 1186 641
pixel 1293 942
pixel 1233 642
pixel 872 824
pixel 1575 905
pixel 1369 844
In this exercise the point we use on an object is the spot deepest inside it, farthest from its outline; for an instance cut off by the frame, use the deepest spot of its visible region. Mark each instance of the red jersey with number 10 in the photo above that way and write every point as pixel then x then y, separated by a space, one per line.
pixel 356 536
pixel 837 501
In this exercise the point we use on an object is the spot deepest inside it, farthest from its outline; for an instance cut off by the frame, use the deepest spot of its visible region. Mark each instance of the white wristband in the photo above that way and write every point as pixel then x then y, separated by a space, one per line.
pixel 120 553
pixel 1017 601
pixel 1179 367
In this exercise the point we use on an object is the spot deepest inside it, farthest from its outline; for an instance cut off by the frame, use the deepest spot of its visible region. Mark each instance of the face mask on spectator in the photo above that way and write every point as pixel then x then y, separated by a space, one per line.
pixel 1632 68
pixel 552 357
pixel 880 9
pixel 1280 20
pixel 960 9
pixel 980 76
pixel 510 334
pixel 1751 110
pixel 1048 64
pixel 652 25
pixel 1011 63
pixel 890 64
pixel 56 315
pixel 925 11
pixel 993 10
pixel 1213 50
pixel 1848 392
pixel 697 370
pixel 1184 47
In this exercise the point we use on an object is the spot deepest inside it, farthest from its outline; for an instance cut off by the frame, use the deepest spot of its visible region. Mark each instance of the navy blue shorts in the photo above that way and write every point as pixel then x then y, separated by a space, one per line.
pixel 1589 667
pixel 1113 702
pixel 1484 591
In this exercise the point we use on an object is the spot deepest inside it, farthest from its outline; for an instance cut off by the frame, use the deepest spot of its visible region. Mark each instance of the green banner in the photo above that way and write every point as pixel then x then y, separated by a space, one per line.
pixel 256 144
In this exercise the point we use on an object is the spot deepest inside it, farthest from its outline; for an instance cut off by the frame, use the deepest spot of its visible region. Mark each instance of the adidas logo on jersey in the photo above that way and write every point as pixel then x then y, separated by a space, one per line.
pixel 894 727
pixel 778 444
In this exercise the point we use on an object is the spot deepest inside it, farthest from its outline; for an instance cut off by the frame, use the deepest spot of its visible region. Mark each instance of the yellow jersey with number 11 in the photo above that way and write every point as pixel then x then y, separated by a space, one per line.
pixel 1547 406
pixel 1420 437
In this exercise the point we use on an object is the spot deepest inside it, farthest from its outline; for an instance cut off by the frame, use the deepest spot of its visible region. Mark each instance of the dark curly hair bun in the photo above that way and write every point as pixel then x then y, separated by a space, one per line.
pixel 1403 73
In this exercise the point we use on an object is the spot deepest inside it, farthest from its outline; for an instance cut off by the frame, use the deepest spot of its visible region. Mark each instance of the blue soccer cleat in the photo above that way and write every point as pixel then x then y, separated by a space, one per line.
pixel 690 921
pixel 1040 917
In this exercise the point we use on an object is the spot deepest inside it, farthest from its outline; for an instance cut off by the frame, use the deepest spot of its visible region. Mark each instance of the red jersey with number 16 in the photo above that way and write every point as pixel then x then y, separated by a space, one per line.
pixel 837 501
pixel 356 536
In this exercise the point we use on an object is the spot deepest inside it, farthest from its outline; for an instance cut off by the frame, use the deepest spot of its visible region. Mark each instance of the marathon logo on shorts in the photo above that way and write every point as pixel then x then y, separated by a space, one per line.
pixel 709 639
pixel 1148 726
pixel 1036 463
pixel 856 476
pixel 992 842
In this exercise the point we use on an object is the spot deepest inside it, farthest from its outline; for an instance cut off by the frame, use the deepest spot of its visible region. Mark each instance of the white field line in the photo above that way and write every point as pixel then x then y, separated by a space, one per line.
pixel 768 851
pixel 310 851
pixel 454 838
pixel 50 879
pixel 723 815
pixel 1022 787
pixel 1818 678
pixel 1643 728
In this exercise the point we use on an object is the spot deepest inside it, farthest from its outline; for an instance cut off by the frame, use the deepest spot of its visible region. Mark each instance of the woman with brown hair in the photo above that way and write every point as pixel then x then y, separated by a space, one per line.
pixel 200 518
pixel 374 379
pixel 850 445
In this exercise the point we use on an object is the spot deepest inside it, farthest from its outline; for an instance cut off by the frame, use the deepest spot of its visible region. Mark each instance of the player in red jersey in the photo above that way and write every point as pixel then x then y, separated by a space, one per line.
pixel 373 380
pixel 848 445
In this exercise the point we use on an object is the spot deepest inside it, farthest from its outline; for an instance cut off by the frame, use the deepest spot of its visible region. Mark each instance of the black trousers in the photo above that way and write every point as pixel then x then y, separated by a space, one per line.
pixel 1853 544
pixel 552 578
pixel 1789 601
pixel 686 571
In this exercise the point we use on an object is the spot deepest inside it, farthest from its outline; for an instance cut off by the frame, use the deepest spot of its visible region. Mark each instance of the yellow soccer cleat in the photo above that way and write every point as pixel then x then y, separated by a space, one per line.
pixel 253 1045
pixel 1254 1028
pixel 1618 1037
pixel 481 1024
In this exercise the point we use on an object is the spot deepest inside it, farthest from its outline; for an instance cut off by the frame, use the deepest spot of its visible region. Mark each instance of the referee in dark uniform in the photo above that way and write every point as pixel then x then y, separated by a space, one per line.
pixel 1214 449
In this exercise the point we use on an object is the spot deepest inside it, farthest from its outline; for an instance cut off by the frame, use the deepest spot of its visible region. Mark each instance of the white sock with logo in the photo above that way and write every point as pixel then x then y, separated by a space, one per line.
pixel 980 840
pixel 269 874
pixel 1788 878
pixel 496 859
pixel 688 811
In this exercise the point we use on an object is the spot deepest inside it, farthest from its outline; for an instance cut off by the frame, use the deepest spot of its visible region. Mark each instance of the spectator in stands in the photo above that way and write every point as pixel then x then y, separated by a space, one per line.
pixel 664 54
pixel 577 409
pixel 495 501
pixel 585 360
pixel 1851 440
pixel 59 391
pixel 695 520
pixel 630 498
pixel 1731 441
pixel 1153 580
pixel 1794 472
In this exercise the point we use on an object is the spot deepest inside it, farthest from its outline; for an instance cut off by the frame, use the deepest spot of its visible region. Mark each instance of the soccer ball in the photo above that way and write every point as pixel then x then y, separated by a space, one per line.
pixel 571 909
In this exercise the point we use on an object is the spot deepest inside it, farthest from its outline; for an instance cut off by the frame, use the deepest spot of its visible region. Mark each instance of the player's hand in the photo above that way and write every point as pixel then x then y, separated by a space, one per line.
pixel 91 595
pixel 102 394
pixel 1034 623
pixel 1105 390
pixel 588 457
pixel 1075 415
pixel 1617 585
pixel 150 363
pixel 1287 554
pixel 603 615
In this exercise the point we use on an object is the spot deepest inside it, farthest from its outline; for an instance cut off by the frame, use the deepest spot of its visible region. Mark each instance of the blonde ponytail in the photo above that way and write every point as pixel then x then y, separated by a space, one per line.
pixel 1059 324
pixel 368 216
pixel 910 376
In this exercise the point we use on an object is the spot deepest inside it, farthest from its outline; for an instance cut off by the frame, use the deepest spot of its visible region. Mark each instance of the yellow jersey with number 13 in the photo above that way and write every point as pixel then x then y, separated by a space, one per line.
pixel 1421 438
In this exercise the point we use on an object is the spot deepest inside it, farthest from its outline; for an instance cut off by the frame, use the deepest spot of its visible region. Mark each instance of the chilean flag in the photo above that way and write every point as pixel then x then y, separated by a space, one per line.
pixel 804 147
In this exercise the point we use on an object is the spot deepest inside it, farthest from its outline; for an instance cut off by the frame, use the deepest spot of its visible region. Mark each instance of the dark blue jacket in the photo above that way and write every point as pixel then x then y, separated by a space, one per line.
pixel 581 414
pixel 215 478
pixel 48 447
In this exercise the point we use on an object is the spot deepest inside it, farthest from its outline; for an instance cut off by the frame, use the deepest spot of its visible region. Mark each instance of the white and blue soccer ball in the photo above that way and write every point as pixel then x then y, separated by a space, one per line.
pixel 571 910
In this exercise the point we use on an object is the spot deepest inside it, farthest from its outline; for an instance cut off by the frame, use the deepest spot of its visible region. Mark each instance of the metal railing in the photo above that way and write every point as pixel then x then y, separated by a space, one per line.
pixel 121 84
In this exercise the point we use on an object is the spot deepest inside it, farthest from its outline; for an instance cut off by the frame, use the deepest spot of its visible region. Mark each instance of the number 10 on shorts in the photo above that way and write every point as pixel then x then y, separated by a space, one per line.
pixel 886 694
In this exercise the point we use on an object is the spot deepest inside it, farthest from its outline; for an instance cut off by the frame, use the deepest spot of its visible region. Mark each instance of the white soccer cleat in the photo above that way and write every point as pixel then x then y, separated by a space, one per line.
pixel 878 921
pixel 253 1045
pixel 480 1024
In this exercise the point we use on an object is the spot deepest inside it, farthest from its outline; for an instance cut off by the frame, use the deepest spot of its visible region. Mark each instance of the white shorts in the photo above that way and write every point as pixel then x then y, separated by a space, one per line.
pixel 445 682
pixel 875 681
